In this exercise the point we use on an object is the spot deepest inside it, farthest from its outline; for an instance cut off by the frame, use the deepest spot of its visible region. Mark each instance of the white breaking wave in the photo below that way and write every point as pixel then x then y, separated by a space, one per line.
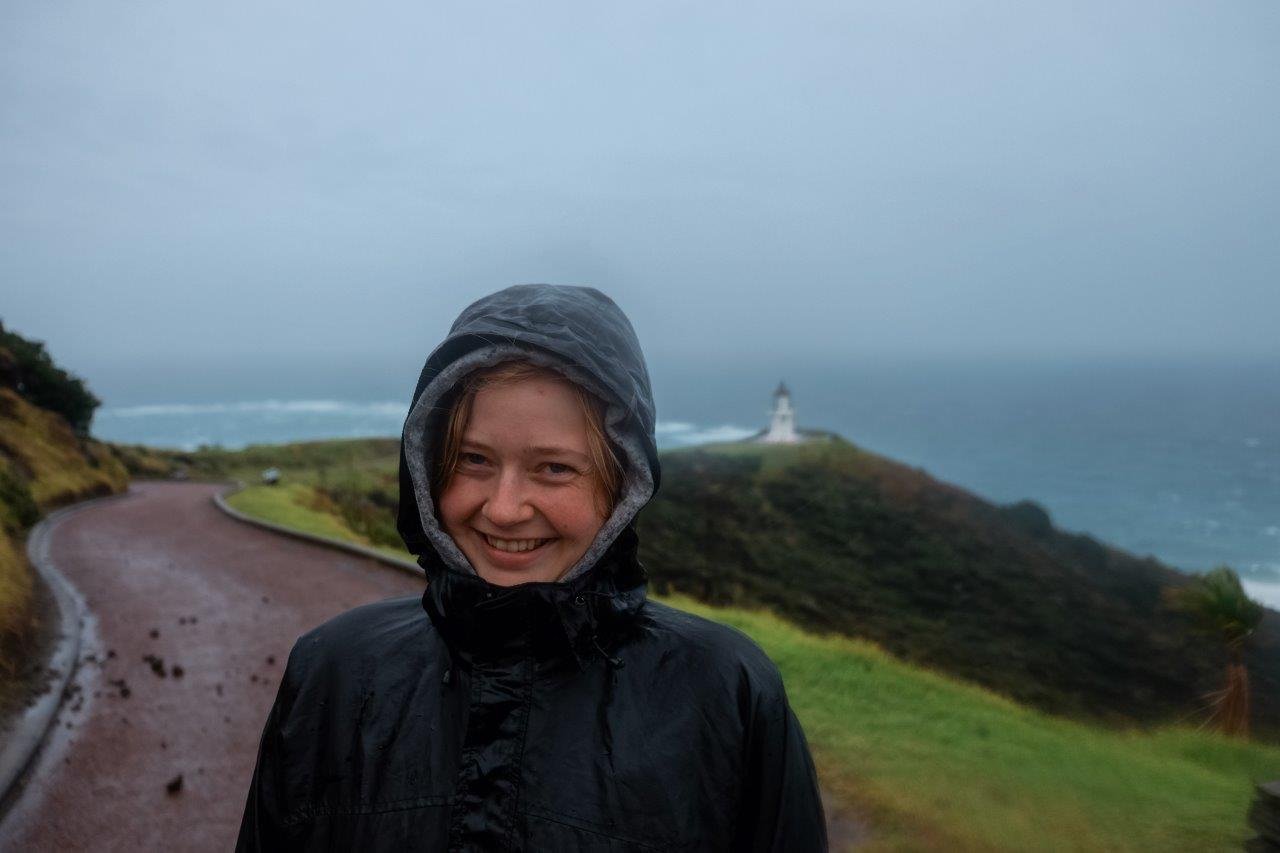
pixel 1268 594
pixel 681 434
pixel 333 407
pixel 237 423
pixel 665 427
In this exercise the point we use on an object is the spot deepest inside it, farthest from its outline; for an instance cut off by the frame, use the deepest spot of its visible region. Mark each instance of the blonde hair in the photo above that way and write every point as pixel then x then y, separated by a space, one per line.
pixel 606 466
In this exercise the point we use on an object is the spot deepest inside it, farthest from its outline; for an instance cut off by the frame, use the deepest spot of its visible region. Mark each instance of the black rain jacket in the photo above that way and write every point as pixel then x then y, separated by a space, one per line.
pixel 574 715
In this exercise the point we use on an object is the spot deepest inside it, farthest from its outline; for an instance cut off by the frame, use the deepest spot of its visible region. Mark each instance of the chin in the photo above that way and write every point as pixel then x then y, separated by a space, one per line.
pixel 499 577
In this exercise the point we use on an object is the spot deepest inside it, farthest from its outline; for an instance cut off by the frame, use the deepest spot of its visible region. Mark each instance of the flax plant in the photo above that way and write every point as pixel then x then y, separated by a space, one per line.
pixel 1222 610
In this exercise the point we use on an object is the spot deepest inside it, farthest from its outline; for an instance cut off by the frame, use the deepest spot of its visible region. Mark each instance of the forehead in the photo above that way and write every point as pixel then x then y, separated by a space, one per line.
pixel 541 411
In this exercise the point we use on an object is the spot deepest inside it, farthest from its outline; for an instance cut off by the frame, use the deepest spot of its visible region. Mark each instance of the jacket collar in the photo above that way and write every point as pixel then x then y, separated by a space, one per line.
pixel 580 619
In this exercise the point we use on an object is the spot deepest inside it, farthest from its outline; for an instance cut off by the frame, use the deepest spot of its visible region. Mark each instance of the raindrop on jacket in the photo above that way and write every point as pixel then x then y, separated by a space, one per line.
pixel 574 715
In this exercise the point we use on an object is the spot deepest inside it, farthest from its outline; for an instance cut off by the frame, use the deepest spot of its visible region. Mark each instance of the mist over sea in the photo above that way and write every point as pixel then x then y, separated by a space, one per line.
pixel 1177 460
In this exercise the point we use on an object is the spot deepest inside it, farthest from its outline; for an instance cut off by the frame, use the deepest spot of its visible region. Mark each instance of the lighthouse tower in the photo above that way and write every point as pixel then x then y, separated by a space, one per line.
pixel 782 425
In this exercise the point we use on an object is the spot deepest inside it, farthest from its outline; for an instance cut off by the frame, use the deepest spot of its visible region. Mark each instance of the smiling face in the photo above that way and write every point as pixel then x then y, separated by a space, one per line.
pixel 522 502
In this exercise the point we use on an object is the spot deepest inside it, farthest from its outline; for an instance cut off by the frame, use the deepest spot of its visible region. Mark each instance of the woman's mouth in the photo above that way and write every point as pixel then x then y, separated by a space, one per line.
pixel 513 546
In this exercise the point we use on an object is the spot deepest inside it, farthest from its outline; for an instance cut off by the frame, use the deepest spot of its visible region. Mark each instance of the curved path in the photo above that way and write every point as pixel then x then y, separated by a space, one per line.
pixel 166 575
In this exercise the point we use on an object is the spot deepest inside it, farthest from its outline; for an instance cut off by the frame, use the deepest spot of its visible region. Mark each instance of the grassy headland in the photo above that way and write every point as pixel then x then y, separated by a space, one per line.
pixel 840 539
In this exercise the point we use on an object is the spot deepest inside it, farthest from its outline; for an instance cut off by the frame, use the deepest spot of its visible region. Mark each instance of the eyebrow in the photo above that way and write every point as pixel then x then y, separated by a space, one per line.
pixel 541 450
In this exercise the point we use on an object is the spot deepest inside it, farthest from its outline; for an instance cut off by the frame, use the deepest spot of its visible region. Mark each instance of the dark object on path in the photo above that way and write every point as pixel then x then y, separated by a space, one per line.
pixel 1264 818
pixel 155 633
pixel 175 784
pixel 271 660
pixel 121 685
pixel 156 663
pixel 178 671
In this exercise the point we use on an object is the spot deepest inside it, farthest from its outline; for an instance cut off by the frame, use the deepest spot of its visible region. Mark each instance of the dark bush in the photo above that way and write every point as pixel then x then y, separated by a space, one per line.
pixel 1030 517
pixel 30 371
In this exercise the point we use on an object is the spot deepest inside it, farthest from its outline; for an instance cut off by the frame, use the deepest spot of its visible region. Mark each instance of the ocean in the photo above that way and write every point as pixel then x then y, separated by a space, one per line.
pixel 1177 460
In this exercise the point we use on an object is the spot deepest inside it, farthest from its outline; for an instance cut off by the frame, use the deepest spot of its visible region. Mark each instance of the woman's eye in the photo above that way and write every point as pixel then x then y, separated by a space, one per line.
pixel 472 458
pixel 557 469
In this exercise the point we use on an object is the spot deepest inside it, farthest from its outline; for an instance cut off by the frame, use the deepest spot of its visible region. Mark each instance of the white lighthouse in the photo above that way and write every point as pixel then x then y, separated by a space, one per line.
pixel 782 424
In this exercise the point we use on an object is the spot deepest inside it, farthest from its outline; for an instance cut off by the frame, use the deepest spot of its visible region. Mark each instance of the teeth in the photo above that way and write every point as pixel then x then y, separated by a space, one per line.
pixel 514 545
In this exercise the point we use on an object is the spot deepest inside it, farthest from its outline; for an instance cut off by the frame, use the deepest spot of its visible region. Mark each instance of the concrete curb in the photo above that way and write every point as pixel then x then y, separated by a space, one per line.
pixel 28 734
pixel 219 500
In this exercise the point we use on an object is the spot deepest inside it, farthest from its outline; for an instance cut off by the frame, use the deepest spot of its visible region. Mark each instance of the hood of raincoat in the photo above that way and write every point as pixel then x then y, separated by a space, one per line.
pixel 576 331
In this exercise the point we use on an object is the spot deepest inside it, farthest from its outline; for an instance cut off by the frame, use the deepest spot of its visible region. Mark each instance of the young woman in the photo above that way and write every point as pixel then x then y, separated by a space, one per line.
pixel 533 699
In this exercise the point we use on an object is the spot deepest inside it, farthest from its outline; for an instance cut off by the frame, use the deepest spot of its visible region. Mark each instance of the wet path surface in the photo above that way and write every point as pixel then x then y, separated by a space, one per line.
pixel 192 618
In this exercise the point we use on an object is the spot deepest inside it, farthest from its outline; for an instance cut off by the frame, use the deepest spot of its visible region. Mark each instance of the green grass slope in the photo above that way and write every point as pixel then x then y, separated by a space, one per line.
pixel 304 508
pixel 934 763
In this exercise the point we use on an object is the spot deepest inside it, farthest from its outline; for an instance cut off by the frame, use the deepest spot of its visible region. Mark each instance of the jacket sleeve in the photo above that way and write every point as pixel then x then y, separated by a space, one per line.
pixel 781 808
pixel 264 826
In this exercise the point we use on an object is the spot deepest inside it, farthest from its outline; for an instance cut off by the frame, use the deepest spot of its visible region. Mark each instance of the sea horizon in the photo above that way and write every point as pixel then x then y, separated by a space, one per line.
pixel 1181 465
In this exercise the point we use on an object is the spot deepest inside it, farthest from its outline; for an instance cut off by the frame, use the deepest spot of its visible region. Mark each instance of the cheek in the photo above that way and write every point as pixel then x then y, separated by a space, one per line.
pixel 455 502
pixel 575 513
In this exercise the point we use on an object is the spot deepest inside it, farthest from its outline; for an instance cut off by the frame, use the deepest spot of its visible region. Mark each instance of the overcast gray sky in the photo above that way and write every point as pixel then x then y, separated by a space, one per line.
pixel 294 182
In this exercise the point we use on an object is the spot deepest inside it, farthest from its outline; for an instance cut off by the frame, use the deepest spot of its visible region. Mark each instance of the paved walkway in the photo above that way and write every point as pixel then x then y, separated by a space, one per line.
pixel 177 587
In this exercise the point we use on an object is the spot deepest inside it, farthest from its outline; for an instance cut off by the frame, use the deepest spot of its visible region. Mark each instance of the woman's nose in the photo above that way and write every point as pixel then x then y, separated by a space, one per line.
pixel 507 505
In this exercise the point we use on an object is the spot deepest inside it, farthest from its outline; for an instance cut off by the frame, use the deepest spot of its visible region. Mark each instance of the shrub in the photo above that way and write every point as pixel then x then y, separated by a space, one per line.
pixel 30 371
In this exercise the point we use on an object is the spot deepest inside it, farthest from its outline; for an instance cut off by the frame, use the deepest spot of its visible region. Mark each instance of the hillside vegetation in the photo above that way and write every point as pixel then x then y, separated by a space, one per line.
pixel 45 462
pixel 840 539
